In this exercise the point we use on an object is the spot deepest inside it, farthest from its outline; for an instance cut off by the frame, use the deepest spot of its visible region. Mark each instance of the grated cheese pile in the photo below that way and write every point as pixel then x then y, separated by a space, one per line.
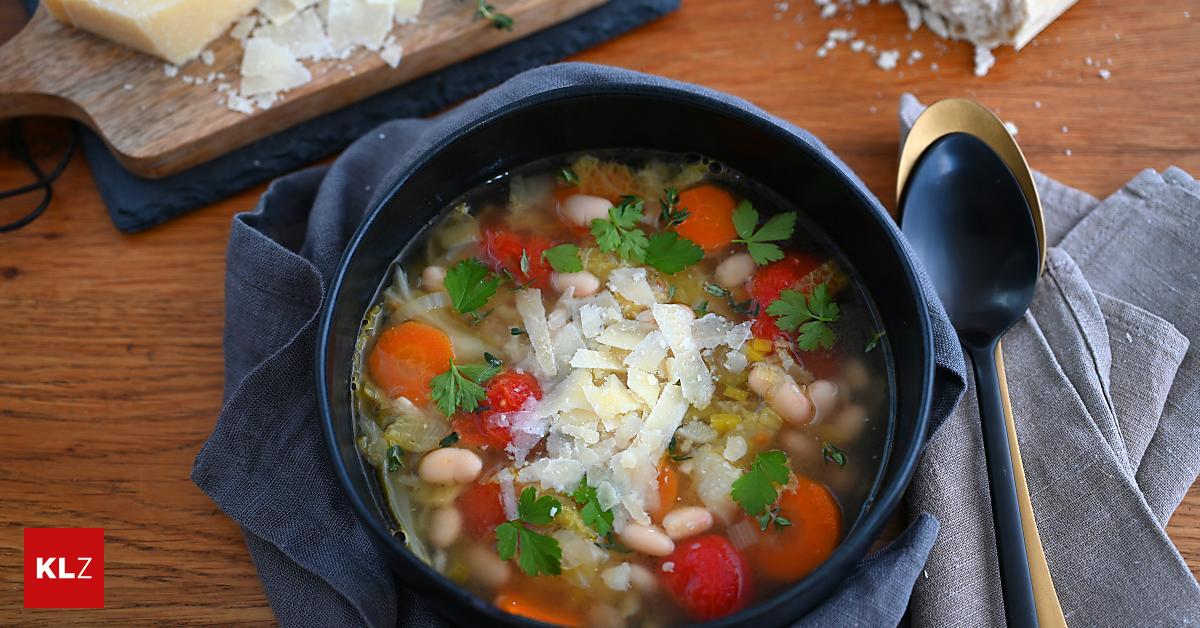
pixel 621 369
pixel 281 34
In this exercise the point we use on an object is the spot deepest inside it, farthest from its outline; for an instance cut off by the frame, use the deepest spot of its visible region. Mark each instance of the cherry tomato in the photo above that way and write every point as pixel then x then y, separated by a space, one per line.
pixel 707 577
pixel 506 392
pixel 771 280
pixel 504 249
pixel 481 509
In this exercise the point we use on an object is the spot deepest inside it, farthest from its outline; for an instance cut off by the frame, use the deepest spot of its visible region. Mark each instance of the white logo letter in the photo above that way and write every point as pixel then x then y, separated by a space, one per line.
pixel 43 568
pixel 87 560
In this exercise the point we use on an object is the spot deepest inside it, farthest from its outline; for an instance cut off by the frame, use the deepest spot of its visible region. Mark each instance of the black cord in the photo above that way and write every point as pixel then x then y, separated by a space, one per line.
pixel 43 180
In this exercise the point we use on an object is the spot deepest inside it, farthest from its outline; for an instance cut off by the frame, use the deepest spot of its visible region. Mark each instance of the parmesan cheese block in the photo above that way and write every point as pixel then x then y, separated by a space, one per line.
pixel 174 30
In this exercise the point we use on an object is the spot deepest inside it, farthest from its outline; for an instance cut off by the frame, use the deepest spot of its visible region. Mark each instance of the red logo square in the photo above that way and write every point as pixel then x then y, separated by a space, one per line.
pixel 64 567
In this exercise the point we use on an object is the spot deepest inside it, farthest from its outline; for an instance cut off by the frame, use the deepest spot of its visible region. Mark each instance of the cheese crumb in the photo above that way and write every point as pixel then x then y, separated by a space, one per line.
pixel 887 59
pixel 984 60
pixel 617 578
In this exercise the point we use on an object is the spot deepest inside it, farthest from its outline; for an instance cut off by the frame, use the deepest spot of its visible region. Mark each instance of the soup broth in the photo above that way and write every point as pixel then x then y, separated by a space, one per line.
pixel 623 389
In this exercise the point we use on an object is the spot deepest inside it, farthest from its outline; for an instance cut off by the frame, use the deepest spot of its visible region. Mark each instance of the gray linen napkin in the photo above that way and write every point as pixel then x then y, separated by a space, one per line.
pixel 1107 403
pixel 265 464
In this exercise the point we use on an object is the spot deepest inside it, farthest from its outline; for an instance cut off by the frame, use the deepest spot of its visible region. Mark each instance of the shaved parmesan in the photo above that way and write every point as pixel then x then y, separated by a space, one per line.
pixel 648 353
pixel 567 340
pixel 624 334
pixel 533 314
pixel 244 26
pixel 710 331
pixel 268 67
pixel 664 419
pixel 591 320
pixel 644 385
pixel 738 335
pixel 631 284
pixel 278 11
pixel 589 359
pixel 356 22
pixel 304 36
pixel 675 321
pixel 407 10
pixel 713 478
pixel 611 399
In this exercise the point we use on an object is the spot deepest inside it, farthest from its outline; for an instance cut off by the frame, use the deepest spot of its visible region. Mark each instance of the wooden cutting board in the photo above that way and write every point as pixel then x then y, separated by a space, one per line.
pixel 157 125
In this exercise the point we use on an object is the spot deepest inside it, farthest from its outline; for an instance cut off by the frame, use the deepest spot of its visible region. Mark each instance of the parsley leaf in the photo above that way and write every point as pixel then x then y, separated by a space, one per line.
pixel 594 517
pixel 488 12
pixel 536 553
pixel 811 314
pixel 758 243
pixel 772 516
pixel 460 387
pixel 671 214
pixel 470 284
pixel 620 232
pixel 563 258
pixel 395 459
pixel 755 491
pixel 568 176
pixel 670 253
pixel 832 453
pixel 701 309
pixel 873 341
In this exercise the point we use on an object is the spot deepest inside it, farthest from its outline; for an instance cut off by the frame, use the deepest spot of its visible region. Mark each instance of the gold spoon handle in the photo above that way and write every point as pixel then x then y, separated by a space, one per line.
pixel 1049 611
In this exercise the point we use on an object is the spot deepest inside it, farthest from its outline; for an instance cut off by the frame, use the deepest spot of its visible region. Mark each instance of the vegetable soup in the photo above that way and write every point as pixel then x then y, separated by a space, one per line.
pixel 622 388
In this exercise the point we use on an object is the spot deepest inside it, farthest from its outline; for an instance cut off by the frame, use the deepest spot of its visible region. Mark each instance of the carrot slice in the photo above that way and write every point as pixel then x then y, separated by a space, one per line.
pixel 710 217
pixel 668 489
pixel 792 552
pixel 406 357
pixel 526 606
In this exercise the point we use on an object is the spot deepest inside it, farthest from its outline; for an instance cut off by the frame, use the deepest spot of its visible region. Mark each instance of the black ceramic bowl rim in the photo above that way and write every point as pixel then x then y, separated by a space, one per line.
pixel 818 584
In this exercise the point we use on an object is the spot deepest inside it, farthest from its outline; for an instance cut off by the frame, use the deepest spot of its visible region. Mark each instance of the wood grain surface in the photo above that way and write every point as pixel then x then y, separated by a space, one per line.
pixel 158 125
pixel 110 344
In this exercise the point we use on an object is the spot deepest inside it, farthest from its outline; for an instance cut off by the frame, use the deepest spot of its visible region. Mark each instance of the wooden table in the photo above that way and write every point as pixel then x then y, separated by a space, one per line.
pixel 110 345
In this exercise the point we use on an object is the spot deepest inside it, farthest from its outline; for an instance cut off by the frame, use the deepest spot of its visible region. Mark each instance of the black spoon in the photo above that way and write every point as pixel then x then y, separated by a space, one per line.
pixel 967 218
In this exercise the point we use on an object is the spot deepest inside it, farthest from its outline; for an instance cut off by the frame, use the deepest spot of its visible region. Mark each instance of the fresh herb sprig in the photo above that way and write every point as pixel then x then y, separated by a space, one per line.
pixel 568 176
pixel 671 214
pixel 395 458
pixel 833 453
pixel 811 314
pixel 488 12
pixel 536 553
pixel 756 491
pixel 873 341
pixel 460 387
pixel 594 517
pixel 759 242
pixel 563 258
pixel 470 284
pixel 620 233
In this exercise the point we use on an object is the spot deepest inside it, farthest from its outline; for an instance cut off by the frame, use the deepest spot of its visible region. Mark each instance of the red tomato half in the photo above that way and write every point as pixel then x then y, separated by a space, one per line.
pixel 481 509
pixel 504 249
pixel 707 576
pixel 772 279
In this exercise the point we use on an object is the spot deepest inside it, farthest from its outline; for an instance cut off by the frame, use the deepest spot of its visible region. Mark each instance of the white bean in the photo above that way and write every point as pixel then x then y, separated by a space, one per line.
pixel 647 540
pixel 734 271
pixel 779 390
pixel 642 579
pixel 486 567
pixel 856 375
pixel 445 524
pixel 433 278
pixel 849 422
pixel 804 448
pixel 825 399
pixel 586 284
pixel 789 401
pixel 688 521
pixel 582 209
pixel 450 465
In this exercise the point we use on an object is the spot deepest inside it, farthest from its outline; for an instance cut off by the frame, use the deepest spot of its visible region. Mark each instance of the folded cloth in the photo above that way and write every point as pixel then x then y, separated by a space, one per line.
pixel 1107 404
pixel 135 203
pixel 265 464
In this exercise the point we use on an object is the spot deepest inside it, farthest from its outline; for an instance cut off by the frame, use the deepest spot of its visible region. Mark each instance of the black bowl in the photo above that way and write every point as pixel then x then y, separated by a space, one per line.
pixel 584 118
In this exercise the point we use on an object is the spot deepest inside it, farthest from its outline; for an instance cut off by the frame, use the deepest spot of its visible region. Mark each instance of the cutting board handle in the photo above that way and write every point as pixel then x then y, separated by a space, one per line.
pixel 24 60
